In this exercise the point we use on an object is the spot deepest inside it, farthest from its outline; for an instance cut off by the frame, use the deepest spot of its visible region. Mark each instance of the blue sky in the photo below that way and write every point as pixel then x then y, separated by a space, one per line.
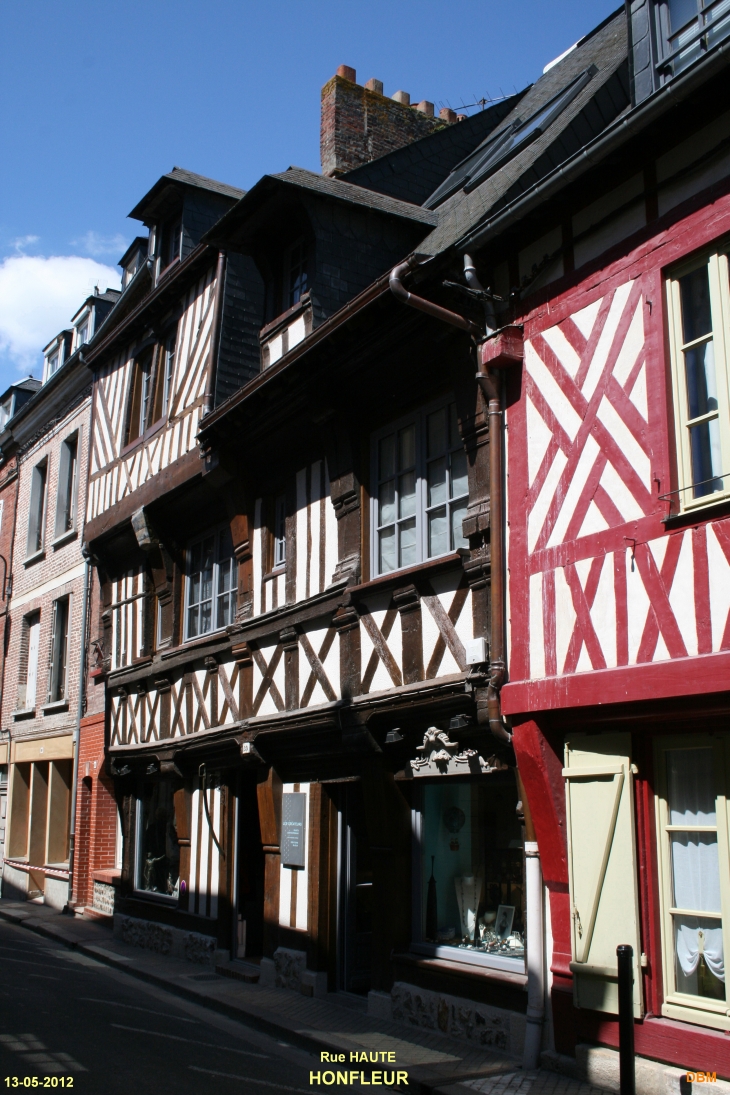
pixel 98 100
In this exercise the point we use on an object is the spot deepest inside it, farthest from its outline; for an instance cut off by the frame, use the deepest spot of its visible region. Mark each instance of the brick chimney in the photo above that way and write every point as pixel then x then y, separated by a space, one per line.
pixel 360 123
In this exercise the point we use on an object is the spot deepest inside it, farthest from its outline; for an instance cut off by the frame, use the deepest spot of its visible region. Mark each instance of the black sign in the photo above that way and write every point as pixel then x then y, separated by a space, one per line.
pixel 293 829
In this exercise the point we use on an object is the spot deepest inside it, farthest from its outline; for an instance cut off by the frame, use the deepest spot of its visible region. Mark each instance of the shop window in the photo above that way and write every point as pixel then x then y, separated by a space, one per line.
pixel 59 651
pixel 420 489
pixel 158 851
pixel 211 584
pixel 695 877
pixel 37 513
pixel 67 477
pixel 699 317
pixel 469 904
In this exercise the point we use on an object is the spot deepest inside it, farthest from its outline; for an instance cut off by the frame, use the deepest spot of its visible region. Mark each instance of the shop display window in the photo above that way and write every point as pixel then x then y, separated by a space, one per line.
pixel 158 852
pixel 469 872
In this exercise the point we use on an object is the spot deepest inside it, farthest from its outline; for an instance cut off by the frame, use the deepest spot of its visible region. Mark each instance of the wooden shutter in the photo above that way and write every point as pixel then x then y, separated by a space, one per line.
pixel 602 866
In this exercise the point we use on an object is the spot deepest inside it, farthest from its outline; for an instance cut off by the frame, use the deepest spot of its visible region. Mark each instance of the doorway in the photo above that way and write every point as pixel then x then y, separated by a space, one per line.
pixel 356 893
pixel 248 939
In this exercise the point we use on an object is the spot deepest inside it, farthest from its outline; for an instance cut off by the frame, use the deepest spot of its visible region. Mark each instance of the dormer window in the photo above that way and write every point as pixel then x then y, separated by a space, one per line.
pixel 295 274
pixel 686 29
pixel 53 362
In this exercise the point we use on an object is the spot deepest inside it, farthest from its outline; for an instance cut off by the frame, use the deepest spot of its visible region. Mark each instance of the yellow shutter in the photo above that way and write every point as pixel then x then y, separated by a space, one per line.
pixel 602 866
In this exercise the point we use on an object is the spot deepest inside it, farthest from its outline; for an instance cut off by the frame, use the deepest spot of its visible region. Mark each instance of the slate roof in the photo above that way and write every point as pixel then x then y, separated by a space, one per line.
pixel 186 178
pixel 412 173
pixel 602 99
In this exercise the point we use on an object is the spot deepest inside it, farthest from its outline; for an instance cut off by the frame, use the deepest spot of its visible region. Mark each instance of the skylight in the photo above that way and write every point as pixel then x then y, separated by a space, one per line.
pixel 499 147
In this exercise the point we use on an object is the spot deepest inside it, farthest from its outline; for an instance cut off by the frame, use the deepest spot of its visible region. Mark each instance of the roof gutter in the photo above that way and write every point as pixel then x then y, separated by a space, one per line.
pixel 617 134
pixel 400 292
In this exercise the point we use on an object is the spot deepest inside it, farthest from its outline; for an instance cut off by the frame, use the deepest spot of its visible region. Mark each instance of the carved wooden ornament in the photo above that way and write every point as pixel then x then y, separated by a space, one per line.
pixel 442 757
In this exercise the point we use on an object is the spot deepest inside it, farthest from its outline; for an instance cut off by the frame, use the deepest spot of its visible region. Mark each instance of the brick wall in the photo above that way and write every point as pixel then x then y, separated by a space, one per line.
pixel 96 811
pixel 359 124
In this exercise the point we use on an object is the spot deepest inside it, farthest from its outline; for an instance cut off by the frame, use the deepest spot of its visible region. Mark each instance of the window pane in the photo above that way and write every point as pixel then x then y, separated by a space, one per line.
pixel 192 622
pixel 680 12
pixel 436 433
pixel 225 614
pixel 699 367
pixel 438 532
pixel 458 540
pixel 691 784
pixel 158 867
pixel 386 552
pixel 387 457
pixel 437 481
pixel 706 461
pixel 459 478
pixel 386 502
pixel 408 552
pixel 194 588
pixel 700 966
pixel 695 871
pixel 205 617
pixel 407 448
pixel 206 570
pixel 407 494
pixel 696 315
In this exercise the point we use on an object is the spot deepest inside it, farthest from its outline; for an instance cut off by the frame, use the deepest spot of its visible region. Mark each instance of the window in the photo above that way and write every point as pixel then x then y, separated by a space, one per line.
pixel 695 877
pixel 211 584
pixel 158 851
pixel 140 399
pixel 420 490
pixel 59 651
pixel 37 514
pixel 699 316
pixel 469 862
pixel 296 274
pixel 82 332
pixel 54 362
pixel 171 243
pixel 29 646
pixel 687 29
pixel 280 531
pixel 169 372
pixel 66 497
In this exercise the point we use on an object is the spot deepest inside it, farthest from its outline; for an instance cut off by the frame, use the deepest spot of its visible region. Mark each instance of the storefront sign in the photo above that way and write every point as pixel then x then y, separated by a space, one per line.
pixel 293 829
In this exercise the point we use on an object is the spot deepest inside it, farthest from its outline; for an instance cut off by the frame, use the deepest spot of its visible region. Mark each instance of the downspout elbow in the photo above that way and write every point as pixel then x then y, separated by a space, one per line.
pixel 400 292
pixel 494 708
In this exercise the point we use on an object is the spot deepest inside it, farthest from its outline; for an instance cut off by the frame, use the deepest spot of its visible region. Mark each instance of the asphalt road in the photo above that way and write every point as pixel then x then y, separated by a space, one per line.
pixel 65 1017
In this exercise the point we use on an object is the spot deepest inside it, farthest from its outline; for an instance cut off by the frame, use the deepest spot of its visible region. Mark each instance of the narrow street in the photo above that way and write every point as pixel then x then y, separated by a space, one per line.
pixel 64 1015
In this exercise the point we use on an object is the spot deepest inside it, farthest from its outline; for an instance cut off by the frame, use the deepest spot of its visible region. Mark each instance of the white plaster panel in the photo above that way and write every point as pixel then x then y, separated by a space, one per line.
pixel 605 340
pixel 554 396
pixel 719 575
pixel 637 604
pixel 564 618
pixel 565 353
pixel 538 513
pixel 537 636
pixel 583 469
pixel 682 594
pixel 301 536
pixel 538 439
pixel 585 318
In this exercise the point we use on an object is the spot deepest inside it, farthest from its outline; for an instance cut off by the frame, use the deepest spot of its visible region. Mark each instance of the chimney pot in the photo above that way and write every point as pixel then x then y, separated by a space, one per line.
pixel 425 107
pixel 347 73
pixel 447 114
pixel 374 85
pixel 461 117
pixel 403 98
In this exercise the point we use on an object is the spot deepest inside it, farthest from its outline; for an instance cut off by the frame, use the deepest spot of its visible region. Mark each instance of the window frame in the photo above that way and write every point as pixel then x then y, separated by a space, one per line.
pixel 29 621
pixel 38 508
pixel 419 418
pixel 68 483
pixel 151 895
pixel 83 324
pixel 715 258
pixel 665 64
pixel 58 651
pixel 704 1011
pixel 303 267
pixel 216 532
pixel 278 533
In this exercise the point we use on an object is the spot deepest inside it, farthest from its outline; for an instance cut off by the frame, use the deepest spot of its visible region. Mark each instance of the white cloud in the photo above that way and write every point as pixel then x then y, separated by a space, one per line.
pixel 38 297
pixel 22 242
pixel 94 244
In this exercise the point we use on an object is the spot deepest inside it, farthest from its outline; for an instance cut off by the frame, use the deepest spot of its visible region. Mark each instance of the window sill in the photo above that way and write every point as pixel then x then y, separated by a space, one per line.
pixel 428 566
pixel 715 508
pixel 447 965
pixel 52 708
pixel 24 713
pixel 35 558
pixel 64 538
pixel 275 572
pixel 156 898
pixel 168 269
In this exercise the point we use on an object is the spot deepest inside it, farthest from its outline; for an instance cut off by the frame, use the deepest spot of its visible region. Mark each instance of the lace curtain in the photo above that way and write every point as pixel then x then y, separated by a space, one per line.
pixel 695 869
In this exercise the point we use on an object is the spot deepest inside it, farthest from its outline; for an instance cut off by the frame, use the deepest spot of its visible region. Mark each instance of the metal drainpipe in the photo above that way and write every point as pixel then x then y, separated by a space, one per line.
pixel 77 734
pixel 399 291
pixel 215 334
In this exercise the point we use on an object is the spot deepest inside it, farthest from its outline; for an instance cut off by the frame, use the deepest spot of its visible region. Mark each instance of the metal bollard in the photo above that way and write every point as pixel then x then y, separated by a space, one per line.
pixel 625 956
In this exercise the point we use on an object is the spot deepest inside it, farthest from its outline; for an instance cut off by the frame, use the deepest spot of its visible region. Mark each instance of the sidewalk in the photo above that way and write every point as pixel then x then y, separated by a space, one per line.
pixel 436 1065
